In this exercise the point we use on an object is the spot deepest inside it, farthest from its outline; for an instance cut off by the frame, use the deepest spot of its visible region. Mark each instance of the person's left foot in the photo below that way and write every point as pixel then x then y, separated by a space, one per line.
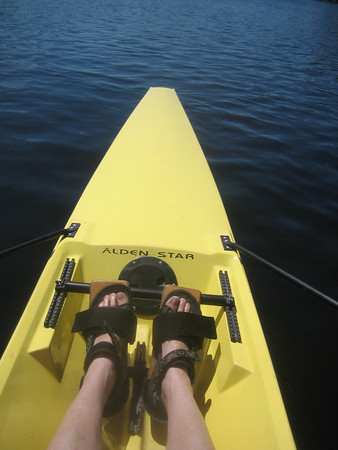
pixel 111 301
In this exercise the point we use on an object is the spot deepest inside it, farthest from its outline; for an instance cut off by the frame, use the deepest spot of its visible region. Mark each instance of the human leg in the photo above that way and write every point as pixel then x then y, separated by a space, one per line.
pixel 186 425
pixel 81 425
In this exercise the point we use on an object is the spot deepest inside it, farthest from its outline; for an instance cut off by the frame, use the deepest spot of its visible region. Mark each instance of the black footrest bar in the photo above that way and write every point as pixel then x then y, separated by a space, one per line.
pixel 59 296
pixel 138 293
pixel 230 308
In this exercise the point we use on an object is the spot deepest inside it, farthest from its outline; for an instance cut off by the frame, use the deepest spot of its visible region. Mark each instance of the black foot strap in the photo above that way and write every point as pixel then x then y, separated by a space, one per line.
pixel 186 327
pixel 121 320
pixel 102 350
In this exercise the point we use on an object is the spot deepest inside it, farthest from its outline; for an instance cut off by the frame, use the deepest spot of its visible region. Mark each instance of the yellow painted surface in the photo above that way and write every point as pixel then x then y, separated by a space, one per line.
pixel 153 194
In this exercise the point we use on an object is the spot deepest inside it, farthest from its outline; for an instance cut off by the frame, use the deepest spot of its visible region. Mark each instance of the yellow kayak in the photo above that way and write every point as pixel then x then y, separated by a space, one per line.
pixel 152 215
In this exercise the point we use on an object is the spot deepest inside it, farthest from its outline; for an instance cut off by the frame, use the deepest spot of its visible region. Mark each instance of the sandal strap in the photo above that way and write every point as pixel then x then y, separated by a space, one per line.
pixel 152 394
pixel 179 358
pixel 114 352
pixel 187 327
pixel 121 321
pixel 102 350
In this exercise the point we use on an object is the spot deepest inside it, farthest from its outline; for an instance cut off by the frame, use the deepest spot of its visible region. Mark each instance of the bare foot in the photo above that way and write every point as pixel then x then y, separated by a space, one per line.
pixel 103 368
pixel 186 426
pixel 178 305
pixel 175 374
pixel 111 301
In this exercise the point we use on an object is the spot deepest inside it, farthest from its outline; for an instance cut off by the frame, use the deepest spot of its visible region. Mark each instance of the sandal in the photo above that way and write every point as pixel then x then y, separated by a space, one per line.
pixel 190 328
pixel 120 321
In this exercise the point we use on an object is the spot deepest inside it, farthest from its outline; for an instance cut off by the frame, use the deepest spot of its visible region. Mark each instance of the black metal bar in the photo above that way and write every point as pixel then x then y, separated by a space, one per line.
pixel 59 298
pixel 215 300
pixel 141 293
pixel 156 294
pixel 230 308
pixel 58 305
pixel 48 320
pixel 227 243
pixel 40 240
pixel 73 286
pixel 62 296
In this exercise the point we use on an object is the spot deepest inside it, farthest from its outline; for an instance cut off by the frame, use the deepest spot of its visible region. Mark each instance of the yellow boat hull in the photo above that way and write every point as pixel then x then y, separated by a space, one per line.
pixel 153 195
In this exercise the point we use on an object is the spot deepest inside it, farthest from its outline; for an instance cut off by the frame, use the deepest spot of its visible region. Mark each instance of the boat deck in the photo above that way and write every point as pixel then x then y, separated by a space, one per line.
pixel 153 196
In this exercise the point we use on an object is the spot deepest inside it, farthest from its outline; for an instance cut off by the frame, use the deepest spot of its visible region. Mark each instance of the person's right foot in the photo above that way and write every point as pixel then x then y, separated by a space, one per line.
pixel 174 374
pixel 178 305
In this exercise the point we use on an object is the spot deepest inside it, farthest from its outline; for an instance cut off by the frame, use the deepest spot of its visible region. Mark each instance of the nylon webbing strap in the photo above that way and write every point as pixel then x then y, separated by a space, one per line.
pixel 183 326
pixel 121 321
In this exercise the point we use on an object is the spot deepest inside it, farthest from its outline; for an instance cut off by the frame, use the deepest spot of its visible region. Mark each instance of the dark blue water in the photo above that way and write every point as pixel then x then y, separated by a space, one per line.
pixel 258 79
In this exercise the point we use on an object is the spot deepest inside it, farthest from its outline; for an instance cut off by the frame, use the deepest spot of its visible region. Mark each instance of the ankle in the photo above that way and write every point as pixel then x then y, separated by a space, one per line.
pixel 101 376
pixel 176 379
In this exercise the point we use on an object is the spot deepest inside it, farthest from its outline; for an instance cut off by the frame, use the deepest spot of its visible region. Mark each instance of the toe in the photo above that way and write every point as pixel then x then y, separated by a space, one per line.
pixel 105 302
pixel 181 305
pixel 121 298
pixel 173 303
pixel 113 301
